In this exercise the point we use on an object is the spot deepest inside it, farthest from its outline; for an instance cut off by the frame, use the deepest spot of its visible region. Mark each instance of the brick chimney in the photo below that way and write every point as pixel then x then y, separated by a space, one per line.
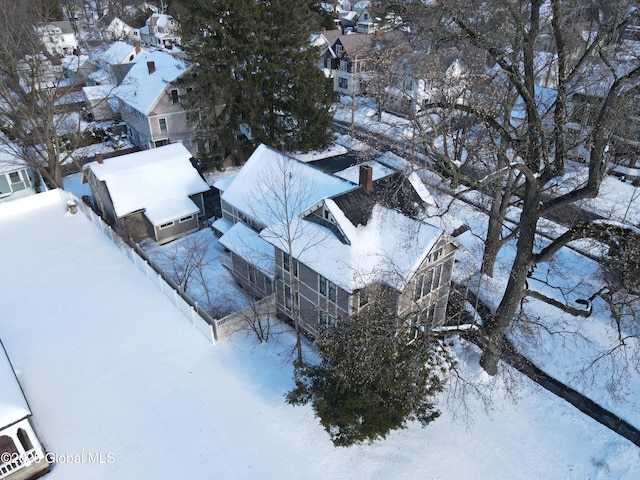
pixel 99 158
pixel 136 44
pixel 151 66
pixel 366 177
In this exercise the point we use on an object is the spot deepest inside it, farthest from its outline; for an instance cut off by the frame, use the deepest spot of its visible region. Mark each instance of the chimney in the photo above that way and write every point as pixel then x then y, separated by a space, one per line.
pixel 151 66
pixel 366 177
pixel 136 44
pixel 99 158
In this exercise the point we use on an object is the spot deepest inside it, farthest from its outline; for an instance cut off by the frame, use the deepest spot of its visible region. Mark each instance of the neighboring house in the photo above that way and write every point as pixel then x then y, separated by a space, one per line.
pixel 418 78
pixel 352 241
pixel 15 177
pixel 346 61
pixel 58 38
pixel 118 59
pixel 161 31
pixel 153 193
pixel 40 73
pixel 149 102
pixel 21 454
pixel 112 28
pixel 366 22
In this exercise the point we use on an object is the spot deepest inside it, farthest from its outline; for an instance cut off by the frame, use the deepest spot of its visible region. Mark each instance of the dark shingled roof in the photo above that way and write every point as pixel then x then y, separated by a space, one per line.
pixel 394 191
pixel 357 205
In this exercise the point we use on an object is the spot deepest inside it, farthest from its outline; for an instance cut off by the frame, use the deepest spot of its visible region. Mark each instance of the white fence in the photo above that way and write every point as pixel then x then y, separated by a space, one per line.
pixel 260 310
pixel 200 319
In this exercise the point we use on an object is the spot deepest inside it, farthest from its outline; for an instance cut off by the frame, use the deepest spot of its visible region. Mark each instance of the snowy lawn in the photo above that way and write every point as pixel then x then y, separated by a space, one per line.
pixel 193 262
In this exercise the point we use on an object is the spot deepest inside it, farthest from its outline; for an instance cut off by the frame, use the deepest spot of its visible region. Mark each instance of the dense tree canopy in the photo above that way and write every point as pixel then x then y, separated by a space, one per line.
pixel 376 375
pixel 255 74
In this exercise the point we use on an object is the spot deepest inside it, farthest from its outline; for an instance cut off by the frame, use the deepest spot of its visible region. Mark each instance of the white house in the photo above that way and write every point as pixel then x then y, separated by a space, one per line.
pixel 113 28
pixel 58 38
pixel 161 31
pixel 21 454
pixel 156 193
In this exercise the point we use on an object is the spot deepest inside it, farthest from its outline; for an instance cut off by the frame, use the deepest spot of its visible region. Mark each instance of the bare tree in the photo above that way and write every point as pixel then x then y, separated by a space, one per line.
pixel 283 195
pixel 39 127
pixel 533 135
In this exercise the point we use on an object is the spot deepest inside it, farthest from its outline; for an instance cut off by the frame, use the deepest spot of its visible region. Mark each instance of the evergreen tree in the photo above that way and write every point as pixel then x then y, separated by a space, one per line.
pixel 255 72
pixel 376 375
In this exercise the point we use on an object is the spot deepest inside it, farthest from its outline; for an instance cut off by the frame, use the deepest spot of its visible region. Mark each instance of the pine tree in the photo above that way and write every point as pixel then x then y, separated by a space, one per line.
pixel 376 375
pixel 255 72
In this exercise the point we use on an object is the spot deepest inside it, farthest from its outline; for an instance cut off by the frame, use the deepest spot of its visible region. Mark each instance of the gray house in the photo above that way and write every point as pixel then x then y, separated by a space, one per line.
pixel 335 242
pixel 152 193
pixel 363 247
pixel 150 102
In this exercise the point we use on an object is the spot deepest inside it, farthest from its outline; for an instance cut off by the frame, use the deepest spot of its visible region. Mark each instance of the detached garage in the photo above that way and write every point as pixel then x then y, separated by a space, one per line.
pixel 153 193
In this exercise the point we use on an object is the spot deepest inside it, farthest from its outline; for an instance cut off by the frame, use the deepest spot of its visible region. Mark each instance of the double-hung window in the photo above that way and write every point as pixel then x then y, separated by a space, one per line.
pixel 162 122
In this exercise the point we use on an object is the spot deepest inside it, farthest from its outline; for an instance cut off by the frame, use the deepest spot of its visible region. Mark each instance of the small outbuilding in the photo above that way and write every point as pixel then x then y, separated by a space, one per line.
pixel 154 193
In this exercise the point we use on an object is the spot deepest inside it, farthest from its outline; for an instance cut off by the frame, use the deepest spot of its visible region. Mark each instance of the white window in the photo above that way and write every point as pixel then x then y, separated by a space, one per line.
pixel 343 83
pixel 163 125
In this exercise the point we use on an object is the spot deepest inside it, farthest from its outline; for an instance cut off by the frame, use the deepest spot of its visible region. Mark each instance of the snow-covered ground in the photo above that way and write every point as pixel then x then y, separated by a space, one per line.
pixel 110 367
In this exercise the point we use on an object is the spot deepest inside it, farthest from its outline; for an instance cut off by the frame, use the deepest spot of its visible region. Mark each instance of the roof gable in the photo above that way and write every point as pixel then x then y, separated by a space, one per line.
pixel 257 189
pixel 141 89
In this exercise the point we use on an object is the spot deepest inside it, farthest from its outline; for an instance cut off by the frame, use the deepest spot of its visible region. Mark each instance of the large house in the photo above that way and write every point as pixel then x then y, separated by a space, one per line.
pixel 21 454
pixel 152 193
pixel 335 243
pixel 161 31
pixel 150 102
pixel 346 61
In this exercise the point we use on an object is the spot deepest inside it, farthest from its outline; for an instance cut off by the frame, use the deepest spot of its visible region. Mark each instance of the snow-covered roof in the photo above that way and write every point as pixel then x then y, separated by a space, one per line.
pixel 97 92
pixel 158 181
pixel 388 249
pixel 247 244
pixel 222 225
pixel 99 75
pixel 119 52
pixel 256 189
pixel 353 173
pixel 13 406
pixel 141 89
pixel 223 183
